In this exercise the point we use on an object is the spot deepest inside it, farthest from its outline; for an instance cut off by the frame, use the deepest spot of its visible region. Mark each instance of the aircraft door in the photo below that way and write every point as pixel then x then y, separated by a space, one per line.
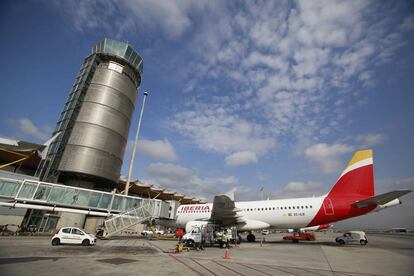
pixel 328 206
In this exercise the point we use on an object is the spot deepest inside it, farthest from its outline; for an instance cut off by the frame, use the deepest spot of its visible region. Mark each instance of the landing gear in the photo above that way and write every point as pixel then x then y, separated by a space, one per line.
pixel 251 237
pixel 238 239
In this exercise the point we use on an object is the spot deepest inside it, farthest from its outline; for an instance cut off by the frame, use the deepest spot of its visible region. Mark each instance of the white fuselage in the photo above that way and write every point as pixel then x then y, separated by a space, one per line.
pixel 283 213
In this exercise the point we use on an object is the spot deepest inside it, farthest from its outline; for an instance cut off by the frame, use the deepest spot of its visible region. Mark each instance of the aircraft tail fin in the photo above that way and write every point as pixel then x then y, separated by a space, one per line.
pixel 357 180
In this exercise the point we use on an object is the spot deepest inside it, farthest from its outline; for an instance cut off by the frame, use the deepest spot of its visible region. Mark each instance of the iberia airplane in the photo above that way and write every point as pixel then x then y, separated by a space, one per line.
pixel 351 196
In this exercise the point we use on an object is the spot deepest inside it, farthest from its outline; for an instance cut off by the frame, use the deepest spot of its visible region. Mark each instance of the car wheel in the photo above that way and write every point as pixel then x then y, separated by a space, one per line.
pixel 189 243
pixel 341 242
pixel 86 242
pixel 295 241
pixel 55 242
pixel 363 242
pixel 308 239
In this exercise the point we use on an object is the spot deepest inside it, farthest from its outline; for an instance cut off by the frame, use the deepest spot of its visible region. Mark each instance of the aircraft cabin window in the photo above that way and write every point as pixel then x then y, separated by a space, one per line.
pixel 306 207
pixel 297 207
pixel 274 208
pixel 266 209
pixel 289 207
pixel 301 206
pixel 293 207
pixel 310 206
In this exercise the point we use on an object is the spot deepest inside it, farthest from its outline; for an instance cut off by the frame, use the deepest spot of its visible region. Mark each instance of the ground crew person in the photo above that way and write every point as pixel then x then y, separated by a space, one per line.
pixel 224 239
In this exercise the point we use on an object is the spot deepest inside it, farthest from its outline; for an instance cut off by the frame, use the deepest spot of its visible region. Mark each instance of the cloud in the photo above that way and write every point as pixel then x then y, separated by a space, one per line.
pixel 296 189
pixel 371 139
pixel 187 181
pixel 158 149
pixel 299 60
pixel 215 128
pixel 172 18
pixel 27 128
pixel 241 158
pixel 302 186
pixel 327 157
pixel 398 182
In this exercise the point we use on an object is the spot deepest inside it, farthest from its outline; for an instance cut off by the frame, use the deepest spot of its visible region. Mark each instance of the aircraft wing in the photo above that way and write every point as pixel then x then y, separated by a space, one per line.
pixel 381 199
pixel 224 212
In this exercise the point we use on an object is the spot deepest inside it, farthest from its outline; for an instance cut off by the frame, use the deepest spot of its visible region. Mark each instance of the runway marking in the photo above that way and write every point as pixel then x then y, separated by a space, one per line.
pixel 206 268
pixel 178 260
pixel 308 270
pixel 278 268
pixel 228 268
pixel 258 270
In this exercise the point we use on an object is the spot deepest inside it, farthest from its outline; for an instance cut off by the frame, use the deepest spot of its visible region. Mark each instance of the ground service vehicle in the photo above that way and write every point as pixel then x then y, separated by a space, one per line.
pixel 352 237
pixel 73 235
pixel 300 236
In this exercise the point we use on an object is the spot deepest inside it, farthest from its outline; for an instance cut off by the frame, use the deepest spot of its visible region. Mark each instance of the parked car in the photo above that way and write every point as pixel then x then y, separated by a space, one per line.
pixel 352 237
pixel 265 232
pixel 150 232
pixel 73 235
pixel 301 236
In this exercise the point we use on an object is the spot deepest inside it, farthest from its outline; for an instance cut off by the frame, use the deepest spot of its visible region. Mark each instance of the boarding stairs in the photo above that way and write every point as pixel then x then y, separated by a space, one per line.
pixel 119 222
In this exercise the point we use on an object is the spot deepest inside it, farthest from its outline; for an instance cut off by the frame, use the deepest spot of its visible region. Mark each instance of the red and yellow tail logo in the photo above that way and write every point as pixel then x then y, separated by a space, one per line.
pixel 357 178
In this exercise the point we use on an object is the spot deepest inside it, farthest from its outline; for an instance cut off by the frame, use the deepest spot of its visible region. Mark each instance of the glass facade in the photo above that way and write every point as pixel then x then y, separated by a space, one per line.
pixel 121 50
pixel 60 195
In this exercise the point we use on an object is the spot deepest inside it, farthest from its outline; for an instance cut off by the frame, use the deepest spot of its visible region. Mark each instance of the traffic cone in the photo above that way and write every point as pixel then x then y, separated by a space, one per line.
pixel 226 254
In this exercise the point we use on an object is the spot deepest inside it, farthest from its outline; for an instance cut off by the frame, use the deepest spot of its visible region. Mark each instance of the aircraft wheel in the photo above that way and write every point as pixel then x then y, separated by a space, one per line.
pixel 238 239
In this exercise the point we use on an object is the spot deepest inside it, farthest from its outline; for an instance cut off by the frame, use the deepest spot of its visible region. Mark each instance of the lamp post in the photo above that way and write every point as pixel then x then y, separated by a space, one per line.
pixel 131 164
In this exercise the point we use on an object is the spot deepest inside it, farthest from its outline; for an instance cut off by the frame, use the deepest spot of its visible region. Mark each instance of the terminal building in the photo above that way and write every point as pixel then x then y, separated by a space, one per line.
pixel 88 144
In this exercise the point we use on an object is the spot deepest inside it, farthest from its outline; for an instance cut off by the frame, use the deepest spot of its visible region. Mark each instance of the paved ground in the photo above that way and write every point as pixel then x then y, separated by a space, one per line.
pixel 384 255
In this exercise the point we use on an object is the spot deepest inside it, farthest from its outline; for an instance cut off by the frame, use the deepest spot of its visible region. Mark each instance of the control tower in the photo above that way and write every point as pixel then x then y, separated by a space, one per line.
pixel 92 130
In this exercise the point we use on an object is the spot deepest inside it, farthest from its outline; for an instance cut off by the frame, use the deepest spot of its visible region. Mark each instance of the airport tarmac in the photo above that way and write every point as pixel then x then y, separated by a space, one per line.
pixel 384 255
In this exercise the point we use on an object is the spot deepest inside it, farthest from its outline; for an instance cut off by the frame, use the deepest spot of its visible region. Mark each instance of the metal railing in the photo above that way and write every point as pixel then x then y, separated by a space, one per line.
pixel 125 220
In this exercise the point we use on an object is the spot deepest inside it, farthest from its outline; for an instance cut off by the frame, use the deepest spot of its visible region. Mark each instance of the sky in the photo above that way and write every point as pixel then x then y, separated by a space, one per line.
pixel 270 98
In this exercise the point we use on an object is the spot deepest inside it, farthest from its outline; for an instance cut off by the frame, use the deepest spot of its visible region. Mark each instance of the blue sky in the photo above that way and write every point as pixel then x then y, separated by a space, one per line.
pixel 269 94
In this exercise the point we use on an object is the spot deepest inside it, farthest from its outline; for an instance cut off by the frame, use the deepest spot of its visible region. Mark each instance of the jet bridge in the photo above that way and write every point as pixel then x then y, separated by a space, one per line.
pixel 121 211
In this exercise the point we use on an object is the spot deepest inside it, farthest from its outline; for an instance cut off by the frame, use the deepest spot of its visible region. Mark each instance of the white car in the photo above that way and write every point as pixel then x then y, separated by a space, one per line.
pixel 352 237
pixel 265 231
pixel 73 235
pixel 149 232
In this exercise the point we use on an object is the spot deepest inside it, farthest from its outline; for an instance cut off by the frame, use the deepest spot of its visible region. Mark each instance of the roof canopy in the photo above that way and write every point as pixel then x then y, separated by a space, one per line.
pixel 151 191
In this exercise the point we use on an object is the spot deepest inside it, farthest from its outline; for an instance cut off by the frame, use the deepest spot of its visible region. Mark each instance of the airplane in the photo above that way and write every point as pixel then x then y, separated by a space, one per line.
pixel 352 195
